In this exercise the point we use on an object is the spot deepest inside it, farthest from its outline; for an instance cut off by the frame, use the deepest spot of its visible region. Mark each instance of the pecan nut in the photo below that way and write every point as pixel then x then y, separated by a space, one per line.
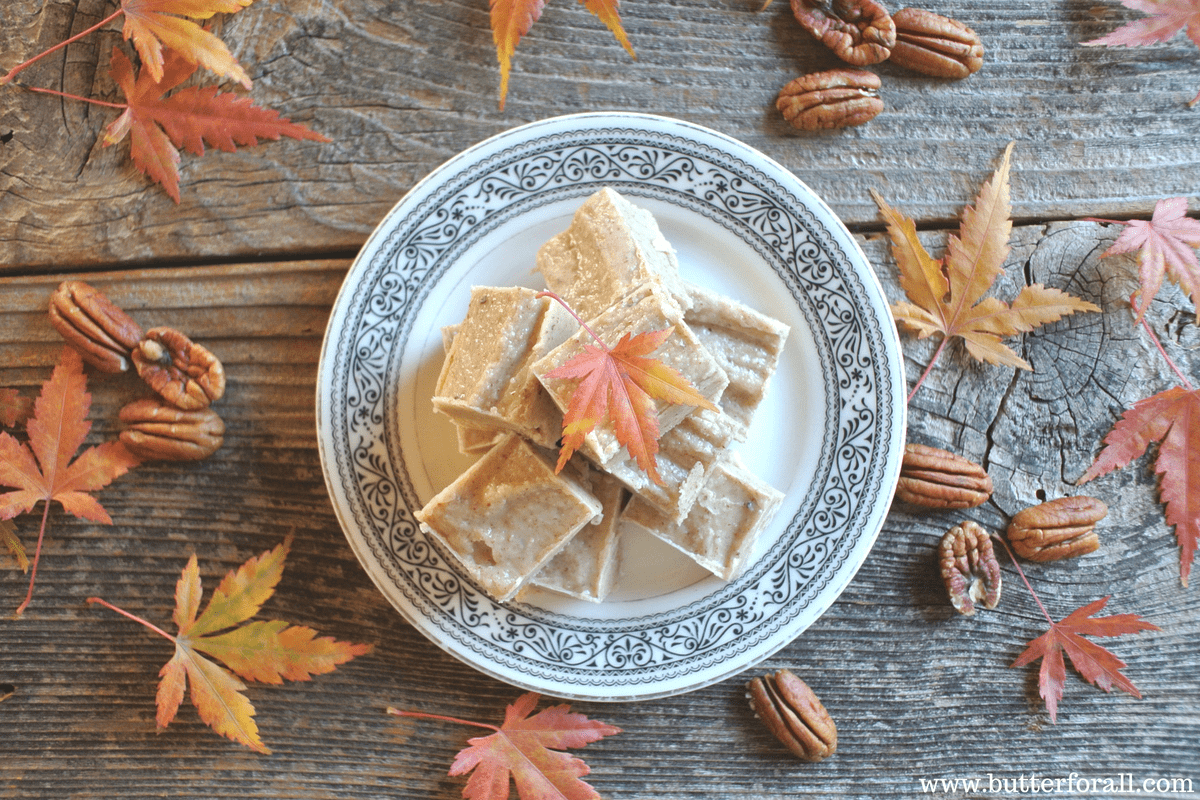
pixel 935 45
pixel 184 373
pixel 162 432
pixel 936 478
pixel 969 568
pixel 833 99
pixel 103 334
pixel 794 714
pixel 1056 529
pixel 860 32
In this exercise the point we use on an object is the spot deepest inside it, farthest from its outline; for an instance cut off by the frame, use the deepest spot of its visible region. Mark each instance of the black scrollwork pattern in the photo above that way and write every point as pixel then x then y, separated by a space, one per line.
pixel 774 217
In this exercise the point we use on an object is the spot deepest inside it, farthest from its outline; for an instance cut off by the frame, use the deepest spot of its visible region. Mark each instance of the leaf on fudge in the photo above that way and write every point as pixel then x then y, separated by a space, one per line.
pixel 529 750
pixel 1098 666
pixel 620 384
pixel 1166 246
pixel 1171 417
pixel 946 295
pixel 266 651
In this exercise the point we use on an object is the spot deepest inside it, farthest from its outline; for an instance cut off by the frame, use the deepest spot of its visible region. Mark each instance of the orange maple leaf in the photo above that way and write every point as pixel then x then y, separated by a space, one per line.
pixel 157 24
pixel 264 651
pixel 14 407
pixel 188 118
pixel 947 294
pixel 529 750
pixel 43 470
pixel 512 19
pixel 1171 417
pixel 620 384
pixel 1098 666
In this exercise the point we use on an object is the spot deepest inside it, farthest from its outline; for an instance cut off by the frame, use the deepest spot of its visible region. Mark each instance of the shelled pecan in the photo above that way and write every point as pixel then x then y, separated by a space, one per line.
pixel 860 32
pixel 184 373
pixel 1057 529
pixel 163 432
pixel 794 714
pixel 103 334
pixel 936 478
pixel 832 99
pixel 969 568
pixel 935 45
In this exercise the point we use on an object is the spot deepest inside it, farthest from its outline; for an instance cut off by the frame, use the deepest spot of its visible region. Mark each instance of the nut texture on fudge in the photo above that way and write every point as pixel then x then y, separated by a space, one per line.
pixel 587 566
pixel 508 515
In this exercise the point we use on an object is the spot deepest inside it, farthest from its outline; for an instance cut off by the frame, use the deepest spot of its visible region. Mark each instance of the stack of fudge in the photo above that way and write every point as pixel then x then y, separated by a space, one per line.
pixel 509 518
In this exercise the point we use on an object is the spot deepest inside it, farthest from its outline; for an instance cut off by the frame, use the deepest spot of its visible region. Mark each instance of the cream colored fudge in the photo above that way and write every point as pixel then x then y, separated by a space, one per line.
pixel 720 531
pixel 508 515
pixel 611 248
pixel 587 566
pixel 686 455
pixel 485 380
pixel 645 309
pixel 746 343
pixel 471 441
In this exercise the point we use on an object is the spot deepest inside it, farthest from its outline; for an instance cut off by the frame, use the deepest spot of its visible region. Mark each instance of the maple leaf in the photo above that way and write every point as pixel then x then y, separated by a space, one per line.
pixel 1165 19
pixel 14 407
pixel 529 751
pixel 947 294
pixel 1171 417
pixel 620 384
pixel 153 25
pixel 264 651
pixel 1098 666
pixel 1165 245
pixel 512 19
pixel 8 535
pixel 43 469
pixel 157 125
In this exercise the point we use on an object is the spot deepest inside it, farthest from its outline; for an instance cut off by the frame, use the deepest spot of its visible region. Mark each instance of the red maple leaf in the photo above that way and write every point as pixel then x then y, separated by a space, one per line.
pixel 44 471
pixel 621 384
pixel 1165 245
pixel 1171 417
pixel 529 750
pixel 1165 19
pixel 1098 666
pixel 157 125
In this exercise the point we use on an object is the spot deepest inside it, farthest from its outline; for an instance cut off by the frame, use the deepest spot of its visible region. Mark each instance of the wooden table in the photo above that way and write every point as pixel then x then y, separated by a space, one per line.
pixel 249 264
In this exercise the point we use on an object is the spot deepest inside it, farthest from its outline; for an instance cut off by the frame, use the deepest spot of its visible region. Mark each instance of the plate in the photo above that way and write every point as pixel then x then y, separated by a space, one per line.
pixel 829 433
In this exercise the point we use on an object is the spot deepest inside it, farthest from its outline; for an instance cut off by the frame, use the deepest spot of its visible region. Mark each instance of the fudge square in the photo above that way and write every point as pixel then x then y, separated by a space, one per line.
pixel 611 248
pixel 720 531
pixel 644 309
pixel 508 515
pixel 485 381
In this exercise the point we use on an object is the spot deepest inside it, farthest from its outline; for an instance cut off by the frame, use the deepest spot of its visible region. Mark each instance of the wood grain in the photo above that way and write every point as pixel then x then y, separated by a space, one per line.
pixel 402 85
pixel 917 691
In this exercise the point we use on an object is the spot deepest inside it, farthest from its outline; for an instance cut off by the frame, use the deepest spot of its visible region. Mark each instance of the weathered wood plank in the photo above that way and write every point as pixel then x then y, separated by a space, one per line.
pixel 402 86
pixel 917 691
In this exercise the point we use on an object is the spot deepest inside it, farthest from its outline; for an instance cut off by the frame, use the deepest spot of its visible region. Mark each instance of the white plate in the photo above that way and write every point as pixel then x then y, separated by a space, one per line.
pixel 829 434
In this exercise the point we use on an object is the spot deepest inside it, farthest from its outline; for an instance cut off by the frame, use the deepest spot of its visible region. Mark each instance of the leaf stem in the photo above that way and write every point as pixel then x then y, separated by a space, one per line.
pixel 941 346
pixel 134 617
pixel 1154 338
pixel 1028 586
pixel 421 715
pixel 37 553
pixel 70 96
pixel 12 73
pixel 571 311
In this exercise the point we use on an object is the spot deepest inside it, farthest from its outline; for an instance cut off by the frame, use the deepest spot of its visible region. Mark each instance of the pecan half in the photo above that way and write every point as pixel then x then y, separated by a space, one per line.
pixel 184 373
pixel 936 478
pixel 91 323
pixel 969 567
pixel 935 45
pixel 1062 528
pixel 792 712
pixel 832 99
pixel 160 431
pixel 860 32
